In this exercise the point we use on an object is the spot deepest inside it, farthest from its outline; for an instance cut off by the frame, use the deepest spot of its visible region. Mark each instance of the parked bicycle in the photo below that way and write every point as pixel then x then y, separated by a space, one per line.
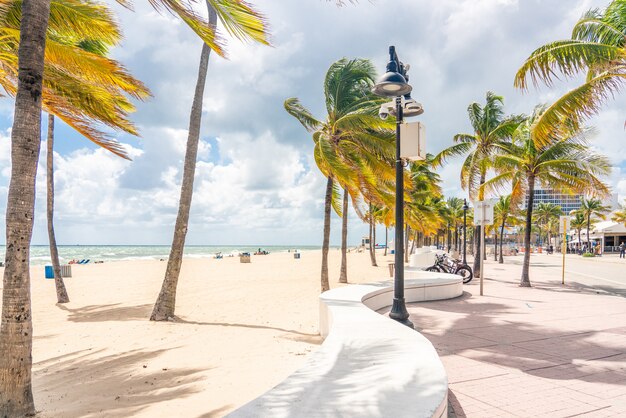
pixel 443 264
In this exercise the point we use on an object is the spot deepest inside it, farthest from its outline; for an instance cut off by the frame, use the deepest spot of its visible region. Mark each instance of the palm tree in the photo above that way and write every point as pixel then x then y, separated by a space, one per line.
pixel 491 128
pixel 81 85
pixel 544 213
pixel 16 395
pixel 352 147
pixel 343 271
pixel 501 212
pixel 619 216
pixel 578 223
pixel 566 162
pixel 591 208
pixel 243 22
pixel 597 47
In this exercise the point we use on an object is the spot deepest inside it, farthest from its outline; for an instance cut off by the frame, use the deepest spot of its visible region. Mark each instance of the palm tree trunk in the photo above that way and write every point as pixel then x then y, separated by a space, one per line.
pixel 501 261
pixel 525 281
pixel 580 245
pixel 495 244
pixel 373 243
pixel 371 232
pixel 386 239
pixel 343 273
pixel 325 285
pixel 16 326
pixel 406 243
pixel 62 296
pixel 166 302
pixel 588 227
pixel 415 237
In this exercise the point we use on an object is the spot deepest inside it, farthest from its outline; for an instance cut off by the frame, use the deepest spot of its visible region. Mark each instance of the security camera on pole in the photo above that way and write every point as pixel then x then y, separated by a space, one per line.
pixel 483 216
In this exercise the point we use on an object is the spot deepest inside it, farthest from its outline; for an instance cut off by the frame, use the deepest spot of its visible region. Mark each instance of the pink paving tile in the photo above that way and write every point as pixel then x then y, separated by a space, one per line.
pixel 545 351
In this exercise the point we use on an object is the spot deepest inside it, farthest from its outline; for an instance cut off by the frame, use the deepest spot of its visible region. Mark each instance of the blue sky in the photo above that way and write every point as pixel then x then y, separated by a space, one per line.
pixel 256 182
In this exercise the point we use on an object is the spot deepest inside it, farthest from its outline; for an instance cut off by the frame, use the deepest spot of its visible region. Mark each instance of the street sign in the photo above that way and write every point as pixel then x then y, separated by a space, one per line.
pixel 483 212
pixel 413 141
pixel 564 224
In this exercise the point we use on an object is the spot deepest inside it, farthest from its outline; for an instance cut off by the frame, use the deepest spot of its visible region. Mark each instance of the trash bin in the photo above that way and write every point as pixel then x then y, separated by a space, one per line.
pixel 296 256
pixel 391 266
pixel 66 270
pixel 244 258
pixel 392 252
pixel 49 272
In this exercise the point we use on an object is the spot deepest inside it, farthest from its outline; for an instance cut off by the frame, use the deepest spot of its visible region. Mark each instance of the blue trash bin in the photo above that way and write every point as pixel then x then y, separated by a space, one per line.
pixel 49 272
pixel 392 251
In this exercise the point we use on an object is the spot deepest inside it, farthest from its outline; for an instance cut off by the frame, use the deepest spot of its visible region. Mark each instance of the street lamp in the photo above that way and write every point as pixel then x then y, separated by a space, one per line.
pixel 465 208
pixel 393 84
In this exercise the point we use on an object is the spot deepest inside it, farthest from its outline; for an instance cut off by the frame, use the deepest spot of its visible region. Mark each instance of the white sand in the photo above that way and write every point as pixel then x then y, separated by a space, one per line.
pixel 243 328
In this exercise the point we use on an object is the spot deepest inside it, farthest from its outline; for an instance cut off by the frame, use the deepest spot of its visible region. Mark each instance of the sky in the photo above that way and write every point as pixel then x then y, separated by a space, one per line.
pixel 256 182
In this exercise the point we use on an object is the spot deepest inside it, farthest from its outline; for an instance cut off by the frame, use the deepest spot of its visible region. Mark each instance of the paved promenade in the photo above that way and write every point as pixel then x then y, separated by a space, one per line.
pixel 551 350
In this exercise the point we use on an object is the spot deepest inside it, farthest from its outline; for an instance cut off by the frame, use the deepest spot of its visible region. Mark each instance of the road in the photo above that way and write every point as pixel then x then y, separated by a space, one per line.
pixel 604 274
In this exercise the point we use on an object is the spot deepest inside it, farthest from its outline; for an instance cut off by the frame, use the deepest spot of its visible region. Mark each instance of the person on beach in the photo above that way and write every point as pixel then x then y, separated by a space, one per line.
pixel 622 250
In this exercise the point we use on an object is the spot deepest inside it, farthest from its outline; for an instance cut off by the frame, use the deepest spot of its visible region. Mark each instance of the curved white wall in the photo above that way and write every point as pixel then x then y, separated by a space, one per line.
pixel 369 365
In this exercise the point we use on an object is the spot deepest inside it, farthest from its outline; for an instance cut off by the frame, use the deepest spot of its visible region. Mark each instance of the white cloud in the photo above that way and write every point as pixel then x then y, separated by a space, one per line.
pixel 255 179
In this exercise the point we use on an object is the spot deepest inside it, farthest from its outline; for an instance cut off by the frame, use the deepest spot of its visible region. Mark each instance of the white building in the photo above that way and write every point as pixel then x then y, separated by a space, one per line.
pixel 608 234
pixel 567 202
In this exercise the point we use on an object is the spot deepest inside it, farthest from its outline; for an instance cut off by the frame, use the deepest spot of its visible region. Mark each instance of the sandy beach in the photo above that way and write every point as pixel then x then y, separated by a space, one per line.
pixel 242 328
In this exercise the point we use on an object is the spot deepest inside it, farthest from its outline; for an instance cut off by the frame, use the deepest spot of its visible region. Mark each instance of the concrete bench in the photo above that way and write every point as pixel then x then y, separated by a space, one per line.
pixel 369 365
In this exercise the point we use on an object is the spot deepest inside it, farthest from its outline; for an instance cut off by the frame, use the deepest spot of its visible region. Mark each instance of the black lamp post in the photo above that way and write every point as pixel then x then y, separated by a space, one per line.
pixel 394 84
pixel 465 208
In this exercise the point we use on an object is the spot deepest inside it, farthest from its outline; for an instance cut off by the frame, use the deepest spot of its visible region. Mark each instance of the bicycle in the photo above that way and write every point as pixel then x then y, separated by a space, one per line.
pixel 445 265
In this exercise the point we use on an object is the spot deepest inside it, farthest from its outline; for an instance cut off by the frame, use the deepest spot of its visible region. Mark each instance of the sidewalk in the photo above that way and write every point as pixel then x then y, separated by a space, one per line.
pixel 548 351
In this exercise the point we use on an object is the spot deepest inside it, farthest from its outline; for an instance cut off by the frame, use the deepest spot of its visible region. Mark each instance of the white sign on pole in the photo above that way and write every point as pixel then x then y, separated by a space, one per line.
pixel 488 205
pixel 564 224
pixel 413 141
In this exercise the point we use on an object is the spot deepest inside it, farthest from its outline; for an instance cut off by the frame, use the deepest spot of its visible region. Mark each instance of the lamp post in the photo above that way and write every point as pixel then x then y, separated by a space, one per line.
pixel 393 84
pixel 465 208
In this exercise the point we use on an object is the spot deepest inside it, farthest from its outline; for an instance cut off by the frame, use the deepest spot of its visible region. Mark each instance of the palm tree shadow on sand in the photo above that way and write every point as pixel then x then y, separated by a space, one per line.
pixel 111 312
pixel 122 384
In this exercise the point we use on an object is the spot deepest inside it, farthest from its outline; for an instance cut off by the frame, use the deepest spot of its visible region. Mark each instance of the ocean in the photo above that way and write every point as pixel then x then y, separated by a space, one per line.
pixel 40 254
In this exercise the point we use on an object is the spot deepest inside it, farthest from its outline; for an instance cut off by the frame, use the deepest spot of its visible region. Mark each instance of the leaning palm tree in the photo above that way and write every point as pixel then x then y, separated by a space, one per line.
pixel 243 22
pixel 16 395
pixel 591 208
pixel 578 223
pixel 566 162
pixel 491 128
pixel 598 48
pixel 50 67
pixel 501 213
pixel 352 147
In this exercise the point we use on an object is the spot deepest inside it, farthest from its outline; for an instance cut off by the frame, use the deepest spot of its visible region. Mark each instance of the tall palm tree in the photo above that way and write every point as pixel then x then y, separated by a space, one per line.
pixel 243 23
pixel 566 162
pixel 16 395
pixel 597 47
pixel 591 208
pixel 81 85
pixel 578 223
pixel 501 212
pixel 544 213
pixel 343 271
pixel 352 147
pixel 491 128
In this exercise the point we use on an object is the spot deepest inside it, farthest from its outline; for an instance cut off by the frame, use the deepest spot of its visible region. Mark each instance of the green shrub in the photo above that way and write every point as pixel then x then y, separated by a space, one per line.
pixel 588 255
